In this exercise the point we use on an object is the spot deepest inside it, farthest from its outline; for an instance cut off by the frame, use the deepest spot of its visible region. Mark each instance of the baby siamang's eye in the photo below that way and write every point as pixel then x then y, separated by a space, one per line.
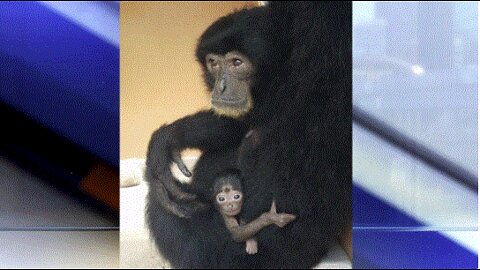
pixel 237 196
pixel 221 199
pixel 237 62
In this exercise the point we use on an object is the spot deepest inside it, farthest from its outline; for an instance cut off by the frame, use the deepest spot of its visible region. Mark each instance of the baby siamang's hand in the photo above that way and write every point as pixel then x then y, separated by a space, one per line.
pixel 279 219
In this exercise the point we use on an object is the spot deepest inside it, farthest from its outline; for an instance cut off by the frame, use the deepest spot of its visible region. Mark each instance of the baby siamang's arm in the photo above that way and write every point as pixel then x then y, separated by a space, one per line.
pixel 241 233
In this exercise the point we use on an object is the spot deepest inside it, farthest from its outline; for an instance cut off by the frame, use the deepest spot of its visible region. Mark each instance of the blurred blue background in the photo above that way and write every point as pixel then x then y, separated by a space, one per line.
pixel 59 65
pixel 59 109
pixel 415 68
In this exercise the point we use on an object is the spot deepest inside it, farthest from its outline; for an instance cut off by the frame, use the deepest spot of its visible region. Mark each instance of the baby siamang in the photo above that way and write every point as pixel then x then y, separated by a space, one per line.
pixel 228 199
pixel 280 84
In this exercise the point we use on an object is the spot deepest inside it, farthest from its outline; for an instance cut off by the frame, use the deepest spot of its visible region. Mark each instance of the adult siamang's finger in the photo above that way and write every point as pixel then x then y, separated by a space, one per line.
pixel 167 204
pixel 199 206
pixel 177 158
pixel 174 190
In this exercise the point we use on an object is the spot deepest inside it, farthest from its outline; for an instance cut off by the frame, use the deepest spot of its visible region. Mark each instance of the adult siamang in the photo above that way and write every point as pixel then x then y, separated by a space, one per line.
pixel 280 83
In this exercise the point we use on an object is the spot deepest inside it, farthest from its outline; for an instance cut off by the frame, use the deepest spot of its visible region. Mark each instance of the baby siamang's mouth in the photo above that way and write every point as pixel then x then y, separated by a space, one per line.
pixel 233 212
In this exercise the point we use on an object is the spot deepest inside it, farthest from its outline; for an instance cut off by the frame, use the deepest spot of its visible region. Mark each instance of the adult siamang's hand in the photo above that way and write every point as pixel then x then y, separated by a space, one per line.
pixel 203 130
pixel 163 149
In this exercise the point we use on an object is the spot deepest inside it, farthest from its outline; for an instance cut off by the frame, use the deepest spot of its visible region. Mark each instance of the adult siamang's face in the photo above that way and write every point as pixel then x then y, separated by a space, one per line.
pixel 233 75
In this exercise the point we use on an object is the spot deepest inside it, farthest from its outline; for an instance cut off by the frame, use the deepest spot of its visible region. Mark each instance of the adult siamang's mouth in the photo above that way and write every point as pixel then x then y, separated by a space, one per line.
pixel 233 103
pixel 231 107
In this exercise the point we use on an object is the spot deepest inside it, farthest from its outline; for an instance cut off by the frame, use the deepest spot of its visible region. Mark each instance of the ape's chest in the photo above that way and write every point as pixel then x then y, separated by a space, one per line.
pixel 248 152
pixel 258 155
pixel 250 142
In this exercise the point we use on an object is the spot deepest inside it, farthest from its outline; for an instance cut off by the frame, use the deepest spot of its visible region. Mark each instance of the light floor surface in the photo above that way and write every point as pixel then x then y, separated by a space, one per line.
pixel 41 226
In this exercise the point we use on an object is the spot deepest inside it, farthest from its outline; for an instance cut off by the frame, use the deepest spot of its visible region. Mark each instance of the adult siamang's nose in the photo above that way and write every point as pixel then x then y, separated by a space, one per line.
pixel 222 85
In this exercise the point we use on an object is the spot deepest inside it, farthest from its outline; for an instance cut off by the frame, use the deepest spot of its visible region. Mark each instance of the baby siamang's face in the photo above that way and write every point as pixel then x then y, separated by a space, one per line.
pixel 229 201
pixel 232 74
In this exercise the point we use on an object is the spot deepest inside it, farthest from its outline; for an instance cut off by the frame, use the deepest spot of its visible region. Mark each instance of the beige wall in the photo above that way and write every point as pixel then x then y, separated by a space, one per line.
pixel 160 81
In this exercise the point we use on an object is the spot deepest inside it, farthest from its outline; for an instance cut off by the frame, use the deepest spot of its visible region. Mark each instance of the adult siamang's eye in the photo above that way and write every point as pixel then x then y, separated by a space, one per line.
pixel 237 62
pixel 212 62
pixel 221 199
pixel 237 196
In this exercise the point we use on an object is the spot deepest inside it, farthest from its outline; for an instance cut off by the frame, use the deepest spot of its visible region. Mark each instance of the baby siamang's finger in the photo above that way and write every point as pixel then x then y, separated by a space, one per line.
pixel 289 216
pixel 288 219
pixel 177 158
pixel 283 219
pixel 273 208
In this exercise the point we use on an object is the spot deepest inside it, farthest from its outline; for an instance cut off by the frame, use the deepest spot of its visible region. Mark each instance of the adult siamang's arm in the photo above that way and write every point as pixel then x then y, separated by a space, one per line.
pixel 203 130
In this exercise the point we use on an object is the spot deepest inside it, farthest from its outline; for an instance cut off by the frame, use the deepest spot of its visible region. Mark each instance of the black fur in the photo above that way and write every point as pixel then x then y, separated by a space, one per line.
pixel 299 155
